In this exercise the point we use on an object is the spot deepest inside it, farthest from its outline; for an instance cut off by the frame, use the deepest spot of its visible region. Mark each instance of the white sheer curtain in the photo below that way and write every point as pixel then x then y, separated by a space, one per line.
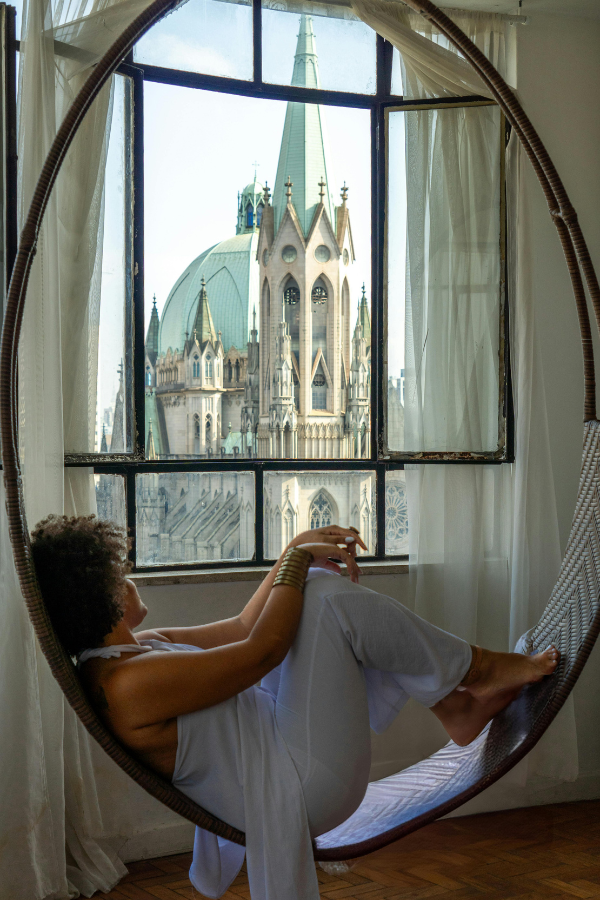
pixel 484 546
pixel 52 834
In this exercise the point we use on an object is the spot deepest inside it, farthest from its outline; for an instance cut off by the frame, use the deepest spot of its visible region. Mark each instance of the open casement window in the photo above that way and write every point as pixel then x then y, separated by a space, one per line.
pixel 445 310
pixel 298 280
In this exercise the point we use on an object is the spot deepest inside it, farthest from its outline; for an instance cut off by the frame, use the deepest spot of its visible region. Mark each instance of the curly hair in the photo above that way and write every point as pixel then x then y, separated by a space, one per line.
pixel 81 564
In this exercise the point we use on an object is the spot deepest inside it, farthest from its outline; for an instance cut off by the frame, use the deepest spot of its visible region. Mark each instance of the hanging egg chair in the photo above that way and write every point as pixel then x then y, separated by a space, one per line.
pixel 394 806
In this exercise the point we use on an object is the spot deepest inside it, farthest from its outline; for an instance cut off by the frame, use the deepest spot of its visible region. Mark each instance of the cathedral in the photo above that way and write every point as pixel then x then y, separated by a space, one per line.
pixel 255 356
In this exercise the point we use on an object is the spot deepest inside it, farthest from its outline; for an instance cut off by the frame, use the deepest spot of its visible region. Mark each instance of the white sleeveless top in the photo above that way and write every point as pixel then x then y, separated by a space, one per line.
pixel 232 760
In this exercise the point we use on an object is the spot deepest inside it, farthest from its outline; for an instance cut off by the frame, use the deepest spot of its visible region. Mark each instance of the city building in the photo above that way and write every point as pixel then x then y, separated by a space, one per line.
pixel 257 354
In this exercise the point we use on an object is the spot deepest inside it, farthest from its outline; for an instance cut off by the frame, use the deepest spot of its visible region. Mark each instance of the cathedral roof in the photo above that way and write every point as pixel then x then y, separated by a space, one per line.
pixel 303 157
pixel 230 271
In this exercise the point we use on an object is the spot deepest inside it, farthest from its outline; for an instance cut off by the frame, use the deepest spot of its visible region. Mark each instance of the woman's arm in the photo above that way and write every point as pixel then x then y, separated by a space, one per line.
pixel 148 689
pixel 229 631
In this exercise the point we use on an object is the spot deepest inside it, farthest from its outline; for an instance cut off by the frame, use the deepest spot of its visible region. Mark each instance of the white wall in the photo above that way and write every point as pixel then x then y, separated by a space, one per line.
pixel 558 77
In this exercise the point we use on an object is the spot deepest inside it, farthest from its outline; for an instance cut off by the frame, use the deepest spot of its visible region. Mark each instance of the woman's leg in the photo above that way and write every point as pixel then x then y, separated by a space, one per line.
pixel 322 709
pixel 324 699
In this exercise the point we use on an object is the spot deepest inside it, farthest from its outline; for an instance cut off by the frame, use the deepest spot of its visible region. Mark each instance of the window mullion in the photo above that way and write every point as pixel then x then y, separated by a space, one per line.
pixel 134 208
pixel 258 515
pixel 257 40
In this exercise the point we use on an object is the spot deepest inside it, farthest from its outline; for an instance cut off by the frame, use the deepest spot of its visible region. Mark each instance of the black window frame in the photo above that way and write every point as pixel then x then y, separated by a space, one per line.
pixel 130 464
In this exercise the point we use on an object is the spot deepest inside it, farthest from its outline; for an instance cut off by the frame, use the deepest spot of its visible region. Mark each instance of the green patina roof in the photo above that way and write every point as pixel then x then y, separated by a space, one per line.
pixel 230 270
pixel 303 156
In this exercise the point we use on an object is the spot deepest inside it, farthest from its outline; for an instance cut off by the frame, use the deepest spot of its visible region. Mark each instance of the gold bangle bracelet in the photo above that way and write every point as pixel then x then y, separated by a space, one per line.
pixel 298 553
pixel 293 567
pixel 291 582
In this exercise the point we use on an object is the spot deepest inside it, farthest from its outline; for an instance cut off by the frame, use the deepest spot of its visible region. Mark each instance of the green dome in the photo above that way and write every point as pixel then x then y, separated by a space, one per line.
pixel 231 272
pixel 254 189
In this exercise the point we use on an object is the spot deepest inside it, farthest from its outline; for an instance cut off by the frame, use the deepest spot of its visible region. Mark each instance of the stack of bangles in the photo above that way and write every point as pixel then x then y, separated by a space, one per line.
pixel 294 568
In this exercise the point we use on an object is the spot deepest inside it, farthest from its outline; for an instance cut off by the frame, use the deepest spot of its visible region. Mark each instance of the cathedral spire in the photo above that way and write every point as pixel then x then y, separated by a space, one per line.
pixel 152 335
pixel 363 319
pixel 303 157
pixel 204 329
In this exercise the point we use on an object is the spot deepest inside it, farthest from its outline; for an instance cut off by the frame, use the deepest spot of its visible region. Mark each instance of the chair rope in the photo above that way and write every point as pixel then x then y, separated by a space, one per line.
pixel 571 618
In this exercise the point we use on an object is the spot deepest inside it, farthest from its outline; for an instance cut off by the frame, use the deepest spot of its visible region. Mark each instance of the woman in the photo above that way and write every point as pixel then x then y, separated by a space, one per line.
pixel 289 759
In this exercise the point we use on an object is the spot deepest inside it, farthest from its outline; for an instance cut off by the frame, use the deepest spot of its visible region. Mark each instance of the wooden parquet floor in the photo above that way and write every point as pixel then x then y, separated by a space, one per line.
pixel 527 854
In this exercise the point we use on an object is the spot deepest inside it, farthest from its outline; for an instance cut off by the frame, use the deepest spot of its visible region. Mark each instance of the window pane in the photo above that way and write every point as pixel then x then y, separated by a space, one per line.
pixel 396 514
pixel 444 286
pixel 297 501
pixel 192 517
pixel 346 59
pixel 259 339
pixel 207 36
pixel 110 498
pixel 114 392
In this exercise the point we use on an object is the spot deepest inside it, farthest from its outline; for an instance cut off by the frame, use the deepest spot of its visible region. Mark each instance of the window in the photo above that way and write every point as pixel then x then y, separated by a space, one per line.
pixel 311 364
pixel 321 511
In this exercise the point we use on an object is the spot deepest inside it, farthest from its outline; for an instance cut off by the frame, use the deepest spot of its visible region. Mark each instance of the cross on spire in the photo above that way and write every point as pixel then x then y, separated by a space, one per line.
pixel 288 187
pixel 344 194
pixel 256 165
pixel 322 184
pixel 267 194
pixel 154 299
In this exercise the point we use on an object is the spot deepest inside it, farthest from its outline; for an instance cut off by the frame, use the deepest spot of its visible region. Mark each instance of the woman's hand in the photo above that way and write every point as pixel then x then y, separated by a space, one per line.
pixel 324 552
pixel 330 534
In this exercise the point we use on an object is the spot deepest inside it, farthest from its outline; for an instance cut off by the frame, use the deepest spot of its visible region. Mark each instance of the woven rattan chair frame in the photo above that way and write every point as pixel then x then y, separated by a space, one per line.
pixel 398 805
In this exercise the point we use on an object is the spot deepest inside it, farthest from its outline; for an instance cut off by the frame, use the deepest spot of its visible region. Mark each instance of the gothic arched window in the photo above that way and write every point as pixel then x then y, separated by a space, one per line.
pixel 196 433
pixel 196 367
pixel 208 367
pixel 319 291
pixel 259 213
pixel 249 216
pixel 321 512
pixel 319 389
pixel 208 430
pixel 291 297
pixel 291 293
pixel 237 370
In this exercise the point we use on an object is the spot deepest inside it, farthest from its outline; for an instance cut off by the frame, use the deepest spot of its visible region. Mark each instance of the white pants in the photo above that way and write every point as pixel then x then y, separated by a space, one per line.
pixel 356 659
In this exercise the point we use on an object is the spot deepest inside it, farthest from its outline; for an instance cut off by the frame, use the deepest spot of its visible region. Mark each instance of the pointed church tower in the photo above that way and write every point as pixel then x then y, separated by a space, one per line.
pixel 117 441
pixel 152 335
pixel 303 158
pixel 304 251
pixel 204 329
pixel 251 391
pixel 358 412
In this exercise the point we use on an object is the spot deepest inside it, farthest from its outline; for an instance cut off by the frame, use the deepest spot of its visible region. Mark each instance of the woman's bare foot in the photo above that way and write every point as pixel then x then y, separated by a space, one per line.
pixel 493 681
pixel 492 673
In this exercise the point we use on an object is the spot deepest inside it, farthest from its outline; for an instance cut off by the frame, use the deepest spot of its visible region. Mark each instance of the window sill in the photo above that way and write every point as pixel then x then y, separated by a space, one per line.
pixel 213 576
